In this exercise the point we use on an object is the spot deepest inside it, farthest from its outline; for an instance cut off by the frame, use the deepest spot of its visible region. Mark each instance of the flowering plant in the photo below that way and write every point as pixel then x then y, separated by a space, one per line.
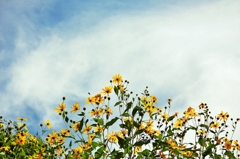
pixel 132 127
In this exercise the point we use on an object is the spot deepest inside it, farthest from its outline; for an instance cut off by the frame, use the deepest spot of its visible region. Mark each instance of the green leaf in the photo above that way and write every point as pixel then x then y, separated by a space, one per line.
pixel 99 152
pixel 81 125
pixel 203 125
pixel 125 114
pixel 116 90
pixel 202 142
pixel 121 142
pixel 117 103
pixel 135 109
pixel 136 124
pixel 81 114
pixel 66 119
pixel 111 122
pixel 230 155
pixel 139 143
pixel 129 105
pixel 70 144
pixel 170 118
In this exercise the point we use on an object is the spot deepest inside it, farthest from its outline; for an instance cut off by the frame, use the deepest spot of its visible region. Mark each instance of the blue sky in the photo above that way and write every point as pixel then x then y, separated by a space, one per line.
pixel 188 51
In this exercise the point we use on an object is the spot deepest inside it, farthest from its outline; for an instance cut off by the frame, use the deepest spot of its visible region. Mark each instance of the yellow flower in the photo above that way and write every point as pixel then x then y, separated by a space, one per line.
pixel 98 99
pixel 90 100
pixel 112 137
pixel 87 129
pixel 48 124
pixel 65 132
pixel 178 123
pixel 78 150
pixel 119 134
pixel 153 98
pixel 1 125
pixel 165 116
pixel 90 137
pixel 52 138
pixel 98 128
pixel 117 79
pixel 215 125
pixel 75 108
pixel 61 108
pixel 190 112
pixel 21 140
pixel 96 112
pixel 202 132
pixel 107 90
pixel 228 145
pixel 223 116
pixel 22 124
pixel 76 126
pixel 137 149
pixel 22 119
pixel 108 111
pixel 60 140
pixel 144 100
pixel 128 119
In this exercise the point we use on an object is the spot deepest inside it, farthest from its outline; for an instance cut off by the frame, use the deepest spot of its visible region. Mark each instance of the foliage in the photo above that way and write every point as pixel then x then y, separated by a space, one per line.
pixel 133 127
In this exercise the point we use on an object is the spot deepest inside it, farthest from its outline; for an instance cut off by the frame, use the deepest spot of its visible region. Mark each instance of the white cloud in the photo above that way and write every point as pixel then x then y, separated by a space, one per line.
pixel 191 53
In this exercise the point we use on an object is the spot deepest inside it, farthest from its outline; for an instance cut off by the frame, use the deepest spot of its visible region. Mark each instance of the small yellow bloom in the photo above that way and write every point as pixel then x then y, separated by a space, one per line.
pixel 215 125
pixel 107 90
pixel 75 108
pixel 90 100
pixel 223 116
pixel 112 137
pixel 48 124
pixel 87 129
pixel 137 149
pixel 165 116
pixel 1 125
pixel 90 138
pixel 76 126
pixel 65 132
pixel 117 79
pixel 61 108
pixel 228 145
pixel 108 111
pixel 178 123
pixel 190 112
pixel 98 128
pixel 22 119
pixel 153 98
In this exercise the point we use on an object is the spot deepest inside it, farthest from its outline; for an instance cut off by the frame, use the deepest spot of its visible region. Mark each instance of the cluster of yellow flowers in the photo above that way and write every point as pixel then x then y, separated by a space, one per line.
pixel 100 133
